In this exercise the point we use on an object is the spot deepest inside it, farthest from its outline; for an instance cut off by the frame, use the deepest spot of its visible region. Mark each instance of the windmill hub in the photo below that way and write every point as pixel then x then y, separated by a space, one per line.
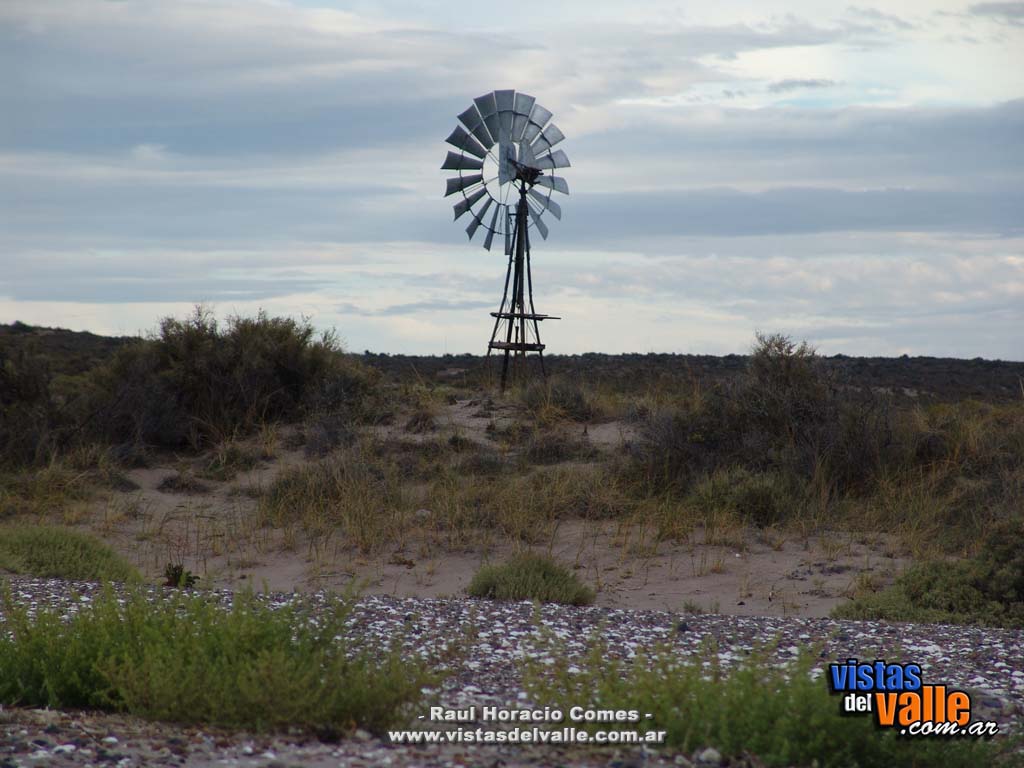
pixel 526 173
pixel 506 143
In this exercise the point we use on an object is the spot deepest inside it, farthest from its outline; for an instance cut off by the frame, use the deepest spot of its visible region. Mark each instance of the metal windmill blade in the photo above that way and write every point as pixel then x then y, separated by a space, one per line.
pixel 462 140
pixel 548 138
pixel 556 159
pixel 472 120
pixel 556 183
pixel 546 203
pixel 478 219
pixel 454 162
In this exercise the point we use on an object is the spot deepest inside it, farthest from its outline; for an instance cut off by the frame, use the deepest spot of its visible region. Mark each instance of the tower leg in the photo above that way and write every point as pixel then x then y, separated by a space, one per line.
pixel 511 322
pixel 501 307
pixel 517 324
pixel 504 371
pixel 533 310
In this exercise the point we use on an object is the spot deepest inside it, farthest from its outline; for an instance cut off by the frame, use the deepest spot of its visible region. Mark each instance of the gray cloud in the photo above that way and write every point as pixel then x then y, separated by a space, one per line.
pixel 791 210
pixel 853 147
pixel 783 86
pixel 184 215
pixel 102 76
pixel 158 288
pixel 880 19
pixel 416 307
pixel 1007 13
pixel 854 169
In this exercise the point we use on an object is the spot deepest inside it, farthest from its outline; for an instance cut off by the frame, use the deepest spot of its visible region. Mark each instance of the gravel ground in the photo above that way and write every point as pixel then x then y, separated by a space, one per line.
pixel 987 662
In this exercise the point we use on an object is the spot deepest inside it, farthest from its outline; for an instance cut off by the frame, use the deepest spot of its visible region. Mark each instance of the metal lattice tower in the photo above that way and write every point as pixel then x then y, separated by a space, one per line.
pixel 505 164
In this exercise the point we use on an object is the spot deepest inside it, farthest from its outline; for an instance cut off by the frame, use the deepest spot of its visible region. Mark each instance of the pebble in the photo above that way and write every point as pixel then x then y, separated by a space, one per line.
pixel 486 669
pixel 708 756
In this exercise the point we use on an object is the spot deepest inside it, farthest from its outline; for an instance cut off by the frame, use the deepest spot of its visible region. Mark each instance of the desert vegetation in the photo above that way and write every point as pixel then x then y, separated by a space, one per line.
pixel 187 458
pixel 190 384
pixel 986 589
pixel 785 441
pixel 780 444
pixel 530 576
pixel 188 660
pixel 781 713
pixel 53 552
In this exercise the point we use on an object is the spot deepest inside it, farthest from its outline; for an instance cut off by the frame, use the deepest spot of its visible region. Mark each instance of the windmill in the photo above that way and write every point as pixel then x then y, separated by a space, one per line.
pixel 505 164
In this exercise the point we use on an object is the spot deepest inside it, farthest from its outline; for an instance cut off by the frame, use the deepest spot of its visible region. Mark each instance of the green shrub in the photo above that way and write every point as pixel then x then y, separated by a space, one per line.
pixel 530 576
pixel 350 490
pixel 986 590
pixel 42 491
pixel 325 431
pixel 28 410
pixel 422 420
pixel 524 508
pixel 784 414
pixel 760 713
pixel 228 459
pixel 187 660
pixel 191 383
pixel 482 462
pixel 971 439
pixel 177 577
pixel 61 553
pixel 182 482
pixel 559 397
pixel 195 383
pixel 759 498
pixel 553 446
pixel 789 413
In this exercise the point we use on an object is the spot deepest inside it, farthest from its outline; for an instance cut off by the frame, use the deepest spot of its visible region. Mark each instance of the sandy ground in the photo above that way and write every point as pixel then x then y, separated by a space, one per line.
pixel 771 573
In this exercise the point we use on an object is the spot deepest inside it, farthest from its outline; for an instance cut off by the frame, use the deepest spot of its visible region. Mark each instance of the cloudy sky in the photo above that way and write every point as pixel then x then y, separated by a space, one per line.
pixel 850 175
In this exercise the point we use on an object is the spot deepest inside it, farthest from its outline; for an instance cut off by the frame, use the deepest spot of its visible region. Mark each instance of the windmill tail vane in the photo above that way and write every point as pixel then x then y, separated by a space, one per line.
pixel 506 167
